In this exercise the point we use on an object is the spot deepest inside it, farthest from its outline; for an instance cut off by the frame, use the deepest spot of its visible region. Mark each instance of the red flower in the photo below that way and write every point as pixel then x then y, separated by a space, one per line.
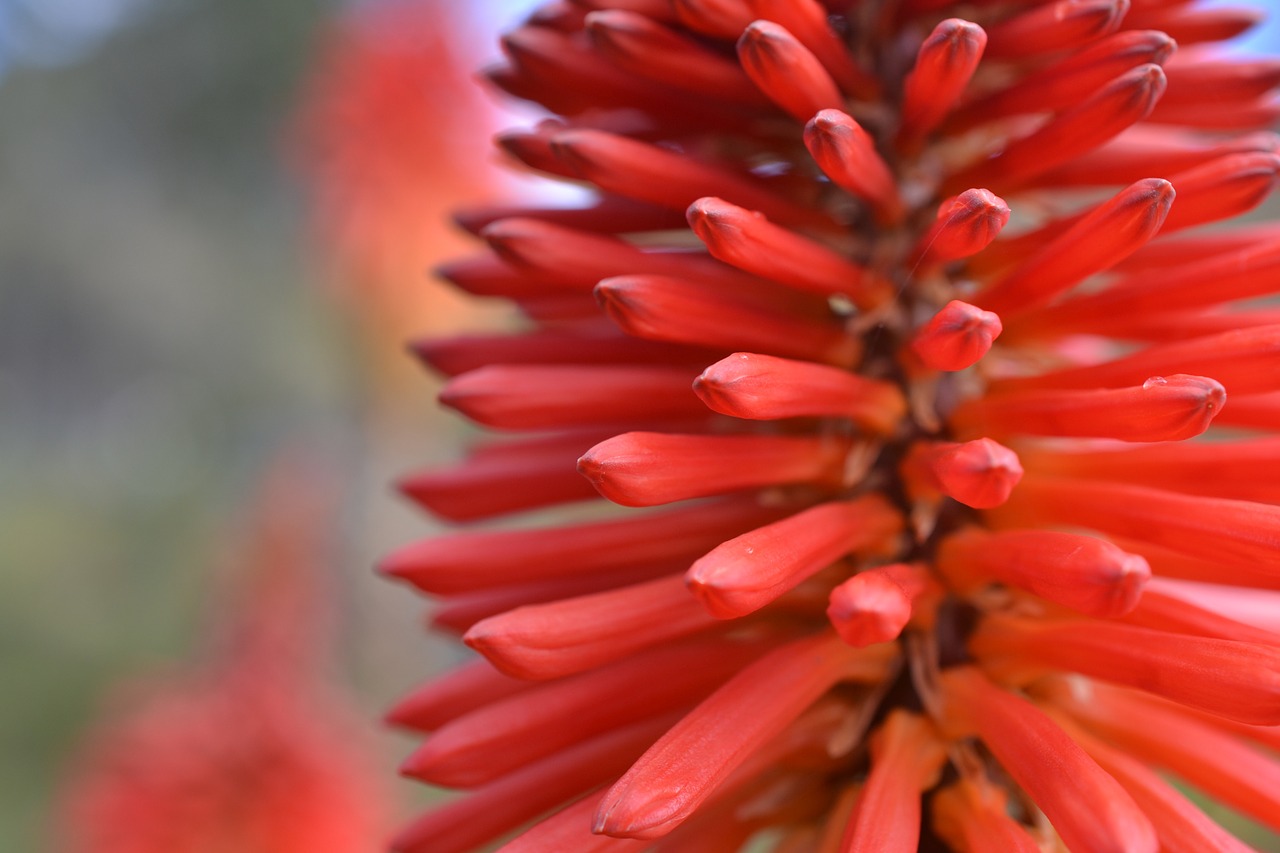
pixel 251 753
pixel 937 497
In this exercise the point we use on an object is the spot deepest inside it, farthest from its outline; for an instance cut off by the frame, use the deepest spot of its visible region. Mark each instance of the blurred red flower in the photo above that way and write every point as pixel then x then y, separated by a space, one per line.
pixel 251 752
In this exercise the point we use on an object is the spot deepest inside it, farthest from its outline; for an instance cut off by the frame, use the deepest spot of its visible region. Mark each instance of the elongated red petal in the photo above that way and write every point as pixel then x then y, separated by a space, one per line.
pixel 464 689
pixel 958 336
pixel 751 570
pixel 808 21
pixel 502 478
pixel 1181 827
pixel 1243 470
pixel 1081 572
pixel 763 387
pixel 1055 26
pixel 570 829
pixel 670 309
pixel 646 172
pixel 1191 24
pixel 748 241
pixel 981 473
pixel 721 18
pixel 457 355
pixel 972 819
pixel 461 562
pixel 946 61
pixel 1219 764
pixel 875 605
pixel 532 397
pixel 847 155
pixel 508 734
pixel 906 755
pixel 1243 360
pixel 787 71
pixel 575 634
pixel 1240 681
pixel 1215 529
pixel 1163 408
pixel 1110 233
pixel 686 765
pixel 640 45
pixel 1087 807
pixel 1076 130
pixel 1161 608
pixel 966 225
pixel 647 469
pixel 478 817
pixel 1060 84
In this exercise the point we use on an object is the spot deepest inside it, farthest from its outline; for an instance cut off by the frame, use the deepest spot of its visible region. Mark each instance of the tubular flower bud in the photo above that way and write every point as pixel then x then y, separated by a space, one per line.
pixel 901 367
pixel 965 226
pixel 957 336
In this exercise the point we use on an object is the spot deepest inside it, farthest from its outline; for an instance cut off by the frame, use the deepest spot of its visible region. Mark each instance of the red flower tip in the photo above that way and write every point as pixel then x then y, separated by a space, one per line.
pixel 1083 127
pixel 622 468
pixel 748 241
pixel 957 336
pixel 1108 234
pixel 719 18
pixel 981 473
pixel 966 225
pixel 564 396
pixel 643 46
pixel 809 22
pixel 751 570
pixel 1240 681
pixel 786 71
pixel 847 155
pixel 679 311
pixel 946 61
pixel 875 605
pixel 558 638
pixel 1056 26
pixel 1171 408
pixel 1084 573
pixel 763 387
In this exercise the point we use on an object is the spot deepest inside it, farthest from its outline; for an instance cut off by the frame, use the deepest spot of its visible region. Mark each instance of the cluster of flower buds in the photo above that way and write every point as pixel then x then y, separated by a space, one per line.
pixel 903 313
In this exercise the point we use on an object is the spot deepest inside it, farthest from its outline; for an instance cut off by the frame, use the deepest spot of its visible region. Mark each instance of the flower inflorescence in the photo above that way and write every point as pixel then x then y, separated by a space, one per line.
pixel 905 309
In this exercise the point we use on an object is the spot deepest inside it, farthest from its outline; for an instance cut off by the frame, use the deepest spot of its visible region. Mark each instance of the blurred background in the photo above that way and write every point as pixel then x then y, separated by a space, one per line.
pixel 182 298
pixel 199 270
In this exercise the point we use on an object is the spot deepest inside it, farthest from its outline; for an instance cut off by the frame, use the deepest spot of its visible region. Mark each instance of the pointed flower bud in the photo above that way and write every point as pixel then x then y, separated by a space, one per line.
pixel 1240 681
pixel 875 605
pixel 1081 572
pixel 786 71
pixel 695 466
pixel 1055 26
pixel 945 63
pixel 956 337
pixel 981 473
pixel 748 241
pixel 847 155
pixel 751 570
pixel 966 225
pixel 762 387
pixel 1163 408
